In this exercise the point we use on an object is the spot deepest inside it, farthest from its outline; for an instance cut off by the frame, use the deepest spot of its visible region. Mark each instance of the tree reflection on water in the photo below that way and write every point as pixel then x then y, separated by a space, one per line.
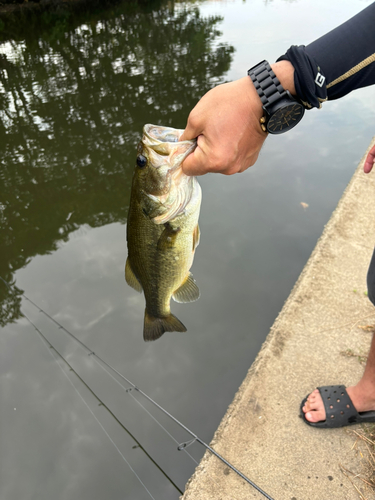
pixel 72 109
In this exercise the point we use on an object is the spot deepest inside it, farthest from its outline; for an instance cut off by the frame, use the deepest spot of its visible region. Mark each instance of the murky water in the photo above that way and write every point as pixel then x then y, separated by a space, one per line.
pixel 73 103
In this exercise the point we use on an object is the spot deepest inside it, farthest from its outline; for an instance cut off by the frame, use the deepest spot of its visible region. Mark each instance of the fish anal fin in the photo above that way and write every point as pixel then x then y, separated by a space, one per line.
pixel 130 277
pixel 196 237
pixel 154 327
pixel 188 291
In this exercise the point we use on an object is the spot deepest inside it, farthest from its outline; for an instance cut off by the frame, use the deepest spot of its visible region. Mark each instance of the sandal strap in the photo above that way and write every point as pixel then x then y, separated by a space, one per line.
pixel 338 405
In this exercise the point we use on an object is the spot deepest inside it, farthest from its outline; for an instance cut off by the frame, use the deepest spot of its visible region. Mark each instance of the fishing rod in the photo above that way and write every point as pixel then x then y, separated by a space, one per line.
pixel 101 403
pixel 182 446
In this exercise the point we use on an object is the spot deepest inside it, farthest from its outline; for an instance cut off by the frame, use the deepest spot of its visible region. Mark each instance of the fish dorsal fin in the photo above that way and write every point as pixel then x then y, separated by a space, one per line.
pixel 196 237
pixel 130 277
pixel 188 291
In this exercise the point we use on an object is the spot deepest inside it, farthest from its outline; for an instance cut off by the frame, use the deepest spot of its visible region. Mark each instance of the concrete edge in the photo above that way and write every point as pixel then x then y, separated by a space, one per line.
pixel 272 340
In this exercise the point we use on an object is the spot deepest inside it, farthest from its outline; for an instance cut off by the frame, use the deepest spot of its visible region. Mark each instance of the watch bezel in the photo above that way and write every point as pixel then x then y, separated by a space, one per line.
pixel 279 106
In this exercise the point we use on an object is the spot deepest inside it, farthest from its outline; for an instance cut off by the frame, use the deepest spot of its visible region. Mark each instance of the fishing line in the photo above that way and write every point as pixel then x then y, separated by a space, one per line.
pixel 153 418
pixel 96 359
pixel 106 407
pixel 101 364
pixel 182 446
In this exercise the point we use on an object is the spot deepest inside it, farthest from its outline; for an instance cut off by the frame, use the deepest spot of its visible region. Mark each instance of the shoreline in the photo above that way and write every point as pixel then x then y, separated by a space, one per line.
pixel 262 433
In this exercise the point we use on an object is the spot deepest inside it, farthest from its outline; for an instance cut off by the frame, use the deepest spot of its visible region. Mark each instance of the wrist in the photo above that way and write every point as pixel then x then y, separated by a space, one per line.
pixel 254 103
pixel 284 71
pixel 282 111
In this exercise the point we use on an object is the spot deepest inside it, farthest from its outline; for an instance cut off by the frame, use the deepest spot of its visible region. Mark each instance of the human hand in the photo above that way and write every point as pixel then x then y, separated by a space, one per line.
pixel 370 160
pixel 226 124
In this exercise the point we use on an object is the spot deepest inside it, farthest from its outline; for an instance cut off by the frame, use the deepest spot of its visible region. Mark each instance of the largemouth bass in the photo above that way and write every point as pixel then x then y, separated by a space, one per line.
pixel 162 229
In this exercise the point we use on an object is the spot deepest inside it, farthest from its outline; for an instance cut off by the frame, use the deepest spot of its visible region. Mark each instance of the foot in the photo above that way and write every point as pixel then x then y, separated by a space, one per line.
pixel 363 400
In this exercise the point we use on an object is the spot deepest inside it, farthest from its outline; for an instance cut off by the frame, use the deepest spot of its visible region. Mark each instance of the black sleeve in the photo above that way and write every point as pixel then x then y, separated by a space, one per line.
pixel 337 63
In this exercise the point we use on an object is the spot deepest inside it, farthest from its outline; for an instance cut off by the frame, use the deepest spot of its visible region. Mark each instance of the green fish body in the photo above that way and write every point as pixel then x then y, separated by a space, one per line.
pixel 162 229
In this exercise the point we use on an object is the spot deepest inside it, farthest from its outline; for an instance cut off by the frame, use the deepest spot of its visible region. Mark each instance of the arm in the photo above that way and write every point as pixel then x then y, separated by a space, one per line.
pixel 226 120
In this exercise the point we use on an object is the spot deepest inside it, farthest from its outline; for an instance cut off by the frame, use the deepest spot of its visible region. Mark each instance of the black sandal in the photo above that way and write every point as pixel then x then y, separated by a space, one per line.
pixel 339 408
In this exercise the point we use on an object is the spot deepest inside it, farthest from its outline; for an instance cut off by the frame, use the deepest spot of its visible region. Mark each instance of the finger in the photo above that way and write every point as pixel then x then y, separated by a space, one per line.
pixel 186 136
pixel 190 132
pixel 194 164
pixel 369 162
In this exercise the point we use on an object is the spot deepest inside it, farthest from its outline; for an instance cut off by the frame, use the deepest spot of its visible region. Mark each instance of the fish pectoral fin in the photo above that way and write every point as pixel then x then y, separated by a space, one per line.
pixel 188 291
pixel 154 327
pixel 168 237
pixel 196 237
pixel 131 278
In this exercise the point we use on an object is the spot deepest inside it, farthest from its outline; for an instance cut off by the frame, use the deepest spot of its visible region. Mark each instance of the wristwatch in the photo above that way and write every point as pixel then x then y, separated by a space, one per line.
pixel 281 110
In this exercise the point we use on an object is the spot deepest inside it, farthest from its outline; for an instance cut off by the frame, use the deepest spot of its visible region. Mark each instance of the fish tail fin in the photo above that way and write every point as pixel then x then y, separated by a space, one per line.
pixel 154 327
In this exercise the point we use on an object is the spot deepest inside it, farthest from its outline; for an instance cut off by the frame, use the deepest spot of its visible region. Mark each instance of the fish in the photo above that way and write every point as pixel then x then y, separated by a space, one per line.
pixel 162 228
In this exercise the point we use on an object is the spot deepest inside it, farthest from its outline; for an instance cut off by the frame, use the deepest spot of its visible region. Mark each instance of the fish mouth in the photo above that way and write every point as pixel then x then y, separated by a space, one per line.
pixel 164 141
pixel 166 152
pixel 157 133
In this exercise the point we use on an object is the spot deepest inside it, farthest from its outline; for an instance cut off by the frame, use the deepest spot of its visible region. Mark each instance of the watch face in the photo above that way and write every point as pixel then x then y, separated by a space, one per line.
pixel 285 118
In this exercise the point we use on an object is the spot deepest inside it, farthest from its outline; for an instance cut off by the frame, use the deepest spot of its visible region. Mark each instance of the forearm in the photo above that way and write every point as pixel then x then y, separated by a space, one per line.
pixel 346 54
pixel 230 121
pixel 337 63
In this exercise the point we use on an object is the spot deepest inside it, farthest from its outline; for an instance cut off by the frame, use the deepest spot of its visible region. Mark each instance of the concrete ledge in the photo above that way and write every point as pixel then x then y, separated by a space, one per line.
pixel 262 434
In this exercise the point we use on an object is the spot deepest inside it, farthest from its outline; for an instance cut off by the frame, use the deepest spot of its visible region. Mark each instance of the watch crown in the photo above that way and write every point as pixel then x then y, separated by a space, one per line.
pixel 263 119
pixel 264 128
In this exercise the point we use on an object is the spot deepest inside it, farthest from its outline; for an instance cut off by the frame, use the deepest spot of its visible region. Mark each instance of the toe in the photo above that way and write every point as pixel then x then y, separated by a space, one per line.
pixel 312 401
pixel 314 407
pixel 314 395
pixel 315 416
pixel 316 404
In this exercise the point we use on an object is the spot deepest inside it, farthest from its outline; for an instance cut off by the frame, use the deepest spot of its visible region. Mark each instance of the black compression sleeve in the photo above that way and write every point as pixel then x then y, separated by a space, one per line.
pixel 344 58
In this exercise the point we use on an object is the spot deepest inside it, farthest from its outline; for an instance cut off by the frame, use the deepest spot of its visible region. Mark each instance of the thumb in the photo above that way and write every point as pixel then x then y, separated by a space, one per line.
pixel 191 132
pixel 188 135
pixel 194 164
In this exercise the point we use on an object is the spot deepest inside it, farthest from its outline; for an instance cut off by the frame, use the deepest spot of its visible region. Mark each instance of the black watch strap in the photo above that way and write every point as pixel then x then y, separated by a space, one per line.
pixel 281 110
pixel 266 83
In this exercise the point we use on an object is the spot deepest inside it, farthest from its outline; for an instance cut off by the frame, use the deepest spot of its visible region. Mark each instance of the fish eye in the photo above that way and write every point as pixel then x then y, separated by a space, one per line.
pixel 141 161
